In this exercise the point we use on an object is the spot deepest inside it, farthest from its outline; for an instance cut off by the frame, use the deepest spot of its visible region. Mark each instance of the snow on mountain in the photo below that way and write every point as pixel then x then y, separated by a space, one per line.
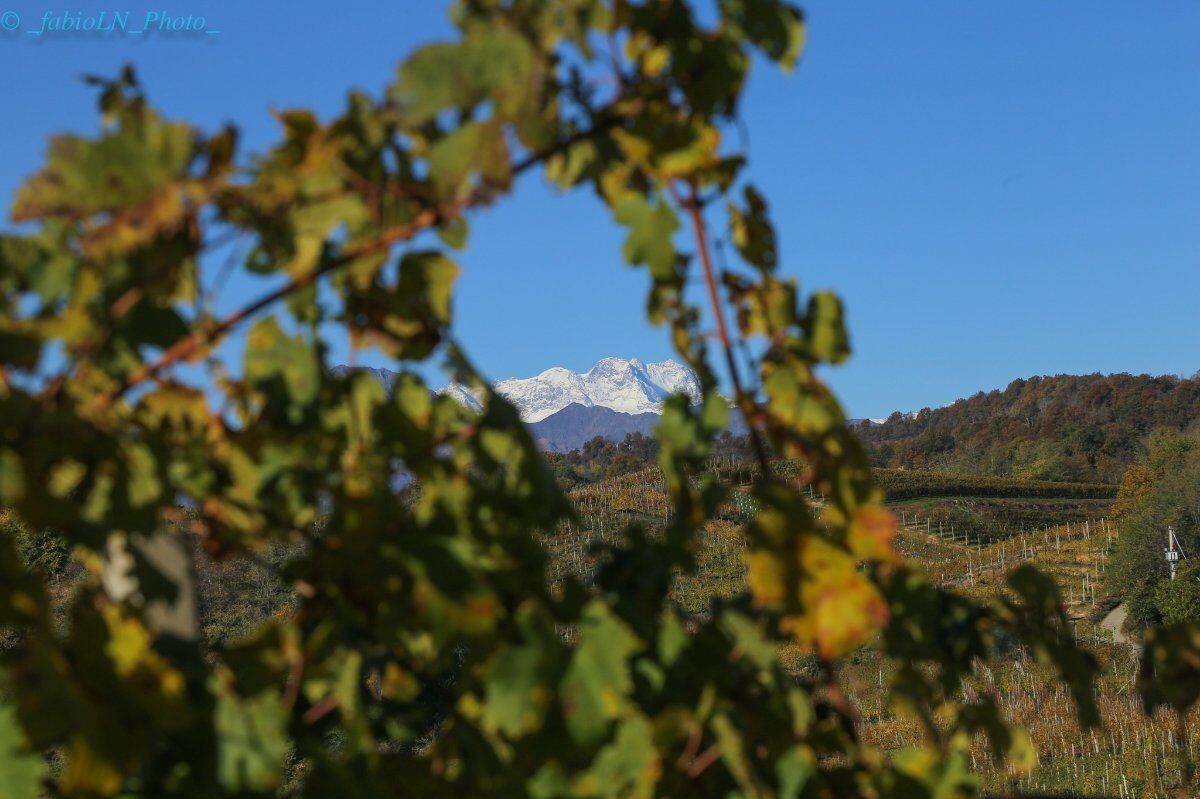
pixel 675 378
pixel 625 386
pixel 550 392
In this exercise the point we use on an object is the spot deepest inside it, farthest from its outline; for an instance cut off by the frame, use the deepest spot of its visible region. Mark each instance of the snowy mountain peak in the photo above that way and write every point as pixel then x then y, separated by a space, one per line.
pixel 675 377
pixel 627 386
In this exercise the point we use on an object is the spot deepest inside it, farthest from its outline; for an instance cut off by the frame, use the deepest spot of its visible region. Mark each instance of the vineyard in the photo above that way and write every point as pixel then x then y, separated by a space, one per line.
pixel 1061 527
pixel 903 484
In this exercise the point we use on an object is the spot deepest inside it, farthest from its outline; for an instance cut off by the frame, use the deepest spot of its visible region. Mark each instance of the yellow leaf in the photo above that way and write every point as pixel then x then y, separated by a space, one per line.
pixel 88 773
pixel 766 578
pixel 837 608
pixel 870 534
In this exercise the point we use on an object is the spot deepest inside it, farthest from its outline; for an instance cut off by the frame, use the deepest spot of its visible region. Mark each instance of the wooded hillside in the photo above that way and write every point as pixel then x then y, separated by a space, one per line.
pixel 1066 427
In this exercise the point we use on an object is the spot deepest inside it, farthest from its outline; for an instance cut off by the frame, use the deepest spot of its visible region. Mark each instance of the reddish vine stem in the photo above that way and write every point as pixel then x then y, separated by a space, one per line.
pixel 319 710
pixel 706 759
pixel 837 698
pixel 747 405
pixel 190 345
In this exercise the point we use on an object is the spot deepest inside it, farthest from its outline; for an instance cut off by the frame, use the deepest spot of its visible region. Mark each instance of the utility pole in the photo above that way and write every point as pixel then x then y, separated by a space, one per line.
pixel 1173 551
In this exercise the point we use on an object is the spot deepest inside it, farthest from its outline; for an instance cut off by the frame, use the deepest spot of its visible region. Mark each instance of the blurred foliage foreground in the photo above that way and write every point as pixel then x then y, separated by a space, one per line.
pixel 425 654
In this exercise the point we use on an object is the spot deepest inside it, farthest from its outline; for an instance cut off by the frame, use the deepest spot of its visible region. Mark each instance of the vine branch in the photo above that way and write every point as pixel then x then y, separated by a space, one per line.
pixel 195 342
pixel 693 207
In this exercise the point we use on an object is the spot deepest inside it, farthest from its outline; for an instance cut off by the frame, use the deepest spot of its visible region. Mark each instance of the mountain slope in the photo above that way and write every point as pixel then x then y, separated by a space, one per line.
pixel 576 424
pixel 1065 427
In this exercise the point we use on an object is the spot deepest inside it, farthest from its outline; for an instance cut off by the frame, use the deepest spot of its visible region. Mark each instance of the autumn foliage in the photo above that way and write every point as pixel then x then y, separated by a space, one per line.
pixel 426 654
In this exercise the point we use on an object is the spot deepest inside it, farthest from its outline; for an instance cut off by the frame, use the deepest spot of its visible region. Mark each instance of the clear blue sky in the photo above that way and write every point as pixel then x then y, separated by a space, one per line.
pixel 997 189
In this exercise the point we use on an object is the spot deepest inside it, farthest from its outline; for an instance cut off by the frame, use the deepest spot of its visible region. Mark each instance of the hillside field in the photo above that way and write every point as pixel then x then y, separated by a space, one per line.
pixel 968 533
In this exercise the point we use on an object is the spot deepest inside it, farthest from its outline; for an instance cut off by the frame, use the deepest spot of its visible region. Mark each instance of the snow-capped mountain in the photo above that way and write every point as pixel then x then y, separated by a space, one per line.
pixel 551 391
pixel 626 386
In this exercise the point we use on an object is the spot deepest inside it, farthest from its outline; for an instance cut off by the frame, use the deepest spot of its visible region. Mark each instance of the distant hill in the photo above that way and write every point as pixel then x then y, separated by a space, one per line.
pixel 1066 427
pixel 575 424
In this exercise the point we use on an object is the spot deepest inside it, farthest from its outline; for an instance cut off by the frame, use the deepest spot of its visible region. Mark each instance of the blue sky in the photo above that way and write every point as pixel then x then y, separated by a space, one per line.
pixel 997 189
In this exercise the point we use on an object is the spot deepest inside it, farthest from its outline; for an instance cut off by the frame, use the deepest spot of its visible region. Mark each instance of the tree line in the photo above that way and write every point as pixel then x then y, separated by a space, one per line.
pixel 1080 428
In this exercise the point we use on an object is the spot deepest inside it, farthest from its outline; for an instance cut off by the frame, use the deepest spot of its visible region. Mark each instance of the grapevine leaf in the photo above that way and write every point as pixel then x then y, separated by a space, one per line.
pixel 1170 668
pixel 650 231
pixel 21 770
pixel 271 354
pixel 252 735
pixel 595 687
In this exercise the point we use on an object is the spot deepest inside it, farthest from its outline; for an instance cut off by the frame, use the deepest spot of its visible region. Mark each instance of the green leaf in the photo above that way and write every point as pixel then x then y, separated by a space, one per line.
pixel 803 404
pixel 122 168
pixel 517 680
pixel 477 148
pixel 752 232
pixel 794 769
pixel 776 28
pixel 825 325
pixel 597 683
pixel 252 739
pixel 492 63
pixel 410 317
pixel 12 477
pixel 1170 670
pixel 270 353
pixel 1042 623
pixel 650 230
pixel 143 486
pixel 454 233
pixel 629 766
pixel 21 771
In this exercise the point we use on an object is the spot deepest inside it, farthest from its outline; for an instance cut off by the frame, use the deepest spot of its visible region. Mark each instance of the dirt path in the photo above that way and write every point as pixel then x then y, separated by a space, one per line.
pixel 1114 621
